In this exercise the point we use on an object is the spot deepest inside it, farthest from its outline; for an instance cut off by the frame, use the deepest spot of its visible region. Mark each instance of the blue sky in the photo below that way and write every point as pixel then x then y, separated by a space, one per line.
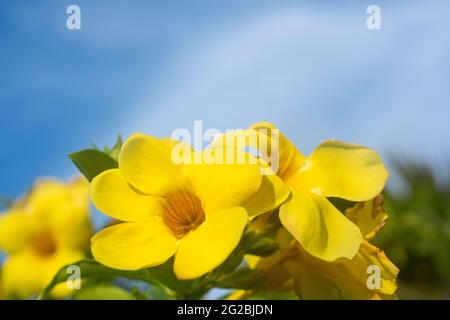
pixel 311 67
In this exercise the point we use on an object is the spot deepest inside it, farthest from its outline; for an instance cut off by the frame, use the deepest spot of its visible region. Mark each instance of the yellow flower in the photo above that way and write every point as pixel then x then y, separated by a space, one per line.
pixel 196 212
pixel 369 216
pixel 313 278
pixel 343 279
pixel 333 169
pixel 348 279
pixel 41 233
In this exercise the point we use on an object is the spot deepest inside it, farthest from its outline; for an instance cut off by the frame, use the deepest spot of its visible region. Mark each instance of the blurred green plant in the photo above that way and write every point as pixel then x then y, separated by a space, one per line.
pixel 417 237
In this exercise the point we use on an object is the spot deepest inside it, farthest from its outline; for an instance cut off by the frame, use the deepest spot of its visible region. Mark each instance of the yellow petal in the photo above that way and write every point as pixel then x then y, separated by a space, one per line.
pixel 369 255
pixel 69 221
pixel 22 275
pixel 59 208
pixel 14 231
pixel 146 162
pixel 134 245
pixel 270 145
pixel 71 228
pixel 79 188
pixel 319 227
pixel 25 274
pixel 369 216
pixel 310 284
pixel 209 245
pixel 45 196
pixel 338 169
pixel 289 157
pixel 223 186
pixel 272 193
pixel 343 278
pixel 252 260
pixel 113 196
pixel 60 259
pixel 237 295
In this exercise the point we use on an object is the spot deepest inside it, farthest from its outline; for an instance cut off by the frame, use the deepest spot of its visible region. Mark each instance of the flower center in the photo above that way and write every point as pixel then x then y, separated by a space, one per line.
pixel 44 244
pixel 183 213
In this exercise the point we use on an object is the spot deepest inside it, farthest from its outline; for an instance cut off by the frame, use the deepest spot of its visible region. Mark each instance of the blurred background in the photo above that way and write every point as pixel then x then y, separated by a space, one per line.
pixel 313 68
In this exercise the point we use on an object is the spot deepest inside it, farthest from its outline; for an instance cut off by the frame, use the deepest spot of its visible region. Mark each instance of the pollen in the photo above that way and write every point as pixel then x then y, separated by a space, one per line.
pixel 183 213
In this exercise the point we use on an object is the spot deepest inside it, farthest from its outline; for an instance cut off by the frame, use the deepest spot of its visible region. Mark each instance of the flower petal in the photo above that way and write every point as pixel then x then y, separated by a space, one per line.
pixel 319 227
pixel 134 245
pixel 311 284
pixel 343 278
pixel 22 274
pixel 289 157
pixel 25 273
pixel 369 255
pixel 61 209
pixel 224 185
pixel 52 265
pixel 270 145
pixel 14 230
pixel 272 193
pixel 209 245
pixel 71 228
pixel 338 169
pixel 46 195
pixel 146 162
pixel 369 216
pixel 113 196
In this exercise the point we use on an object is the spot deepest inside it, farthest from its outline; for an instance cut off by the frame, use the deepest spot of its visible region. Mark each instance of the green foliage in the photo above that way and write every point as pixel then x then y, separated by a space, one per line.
pixel 92 270
pixel 115 150
pixel 242 278
pixel 417 238
pixel 261 245
pixel 103 292
pixel 274 295
pixel 232 274
pixel 92 162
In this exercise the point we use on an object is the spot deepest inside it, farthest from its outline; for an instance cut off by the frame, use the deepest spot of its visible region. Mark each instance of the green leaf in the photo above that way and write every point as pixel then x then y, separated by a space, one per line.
pixel 261 245
pixel 233 261
pixel 92 162
pixel 154 293
pixel 139 295
pixel 115 150
pixel 103 292
pixel 232 273
pixel 164 275
pixel 243 278
pixel 273 295
pixel 90 269
pixel 256 243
